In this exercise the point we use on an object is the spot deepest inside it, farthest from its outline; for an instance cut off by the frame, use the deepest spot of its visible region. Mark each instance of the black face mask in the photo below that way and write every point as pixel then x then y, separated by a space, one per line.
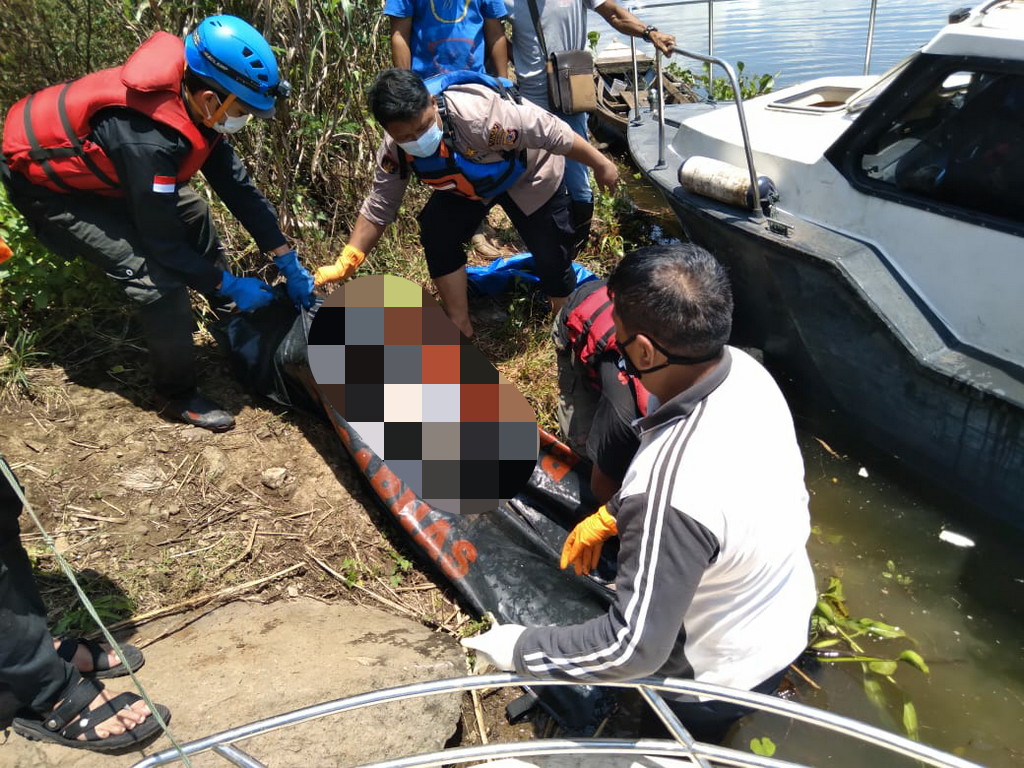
pixel 626 365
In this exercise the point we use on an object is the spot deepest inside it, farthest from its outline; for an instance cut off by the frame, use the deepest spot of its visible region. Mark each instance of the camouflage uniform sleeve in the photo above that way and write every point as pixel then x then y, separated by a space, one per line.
pixel 382 204
pixel 494 124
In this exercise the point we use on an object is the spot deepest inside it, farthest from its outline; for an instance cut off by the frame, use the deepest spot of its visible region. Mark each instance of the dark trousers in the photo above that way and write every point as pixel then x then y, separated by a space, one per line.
pixel 31 673
pixel 448 221
pixel 709 721
pixel 100 230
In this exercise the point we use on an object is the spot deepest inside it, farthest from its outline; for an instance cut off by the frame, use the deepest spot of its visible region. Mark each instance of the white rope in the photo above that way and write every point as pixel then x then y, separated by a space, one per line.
pixel 90 609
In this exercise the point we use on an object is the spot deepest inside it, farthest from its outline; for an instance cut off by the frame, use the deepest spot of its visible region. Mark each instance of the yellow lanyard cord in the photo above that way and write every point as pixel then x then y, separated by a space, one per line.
pixel 438 17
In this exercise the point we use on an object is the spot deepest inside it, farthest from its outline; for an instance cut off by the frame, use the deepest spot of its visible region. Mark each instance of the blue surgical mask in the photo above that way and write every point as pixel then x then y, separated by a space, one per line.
pixel 426 143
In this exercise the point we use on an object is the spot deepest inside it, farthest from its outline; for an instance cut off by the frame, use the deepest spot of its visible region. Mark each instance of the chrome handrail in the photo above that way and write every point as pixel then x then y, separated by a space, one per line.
pixel 636 81
pixel 738 98
pixel 650 688
pixel 711 27
pixel 871 36
pixel 661 107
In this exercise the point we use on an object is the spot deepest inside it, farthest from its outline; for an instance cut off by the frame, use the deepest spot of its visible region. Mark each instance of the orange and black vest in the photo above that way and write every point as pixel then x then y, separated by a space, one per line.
pixel 591 333
pixel 46 134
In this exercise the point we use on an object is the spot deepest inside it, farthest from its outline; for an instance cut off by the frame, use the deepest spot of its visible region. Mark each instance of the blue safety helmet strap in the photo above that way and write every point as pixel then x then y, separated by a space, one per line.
pixel 230 55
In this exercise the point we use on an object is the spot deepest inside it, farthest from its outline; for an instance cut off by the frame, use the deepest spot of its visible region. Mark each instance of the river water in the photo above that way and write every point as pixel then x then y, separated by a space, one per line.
pixel 962 606
pixel 793 39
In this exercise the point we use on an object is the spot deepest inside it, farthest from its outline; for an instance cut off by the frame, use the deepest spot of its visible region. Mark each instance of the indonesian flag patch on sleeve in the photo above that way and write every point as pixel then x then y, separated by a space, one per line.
pixel 164 184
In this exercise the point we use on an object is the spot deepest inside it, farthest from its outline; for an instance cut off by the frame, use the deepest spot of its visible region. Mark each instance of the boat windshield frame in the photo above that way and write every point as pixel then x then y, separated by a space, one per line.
pixel 866 97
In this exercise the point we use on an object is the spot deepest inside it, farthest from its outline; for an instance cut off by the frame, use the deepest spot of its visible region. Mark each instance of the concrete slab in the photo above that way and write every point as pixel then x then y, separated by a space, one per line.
pixel 247 661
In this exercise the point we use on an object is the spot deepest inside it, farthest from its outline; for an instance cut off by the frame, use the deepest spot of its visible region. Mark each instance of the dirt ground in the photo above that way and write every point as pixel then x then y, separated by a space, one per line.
pixel 159 519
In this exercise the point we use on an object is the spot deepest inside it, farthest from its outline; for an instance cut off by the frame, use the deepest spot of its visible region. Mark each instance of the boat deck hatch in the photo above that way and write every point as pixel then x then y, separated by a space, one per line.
pixel 825 98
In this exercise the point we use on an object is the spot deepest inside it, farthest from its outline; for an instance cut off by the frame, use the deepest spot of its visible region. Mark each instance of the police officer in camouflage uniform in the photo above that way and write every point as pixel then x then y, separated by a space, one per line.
pixel 476 126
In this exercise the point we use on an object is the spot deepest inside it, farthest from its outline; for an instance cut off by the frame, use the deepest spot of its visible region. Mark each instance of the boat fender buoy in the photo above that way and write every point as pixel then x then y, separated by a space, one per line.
pixel 725 182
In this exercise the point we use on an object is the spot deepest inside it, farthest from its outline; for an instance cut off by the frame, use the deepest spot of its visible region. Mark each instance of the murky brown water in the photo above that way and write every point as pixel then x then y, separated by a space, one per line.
pixel 963 607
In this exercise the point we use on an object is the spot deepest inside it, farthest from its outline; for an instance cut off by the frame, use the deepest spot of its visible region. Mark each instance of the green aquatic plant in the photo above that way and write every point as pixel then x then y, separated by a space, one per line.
pixel 894 574
pixel 719 88
pixel 837 637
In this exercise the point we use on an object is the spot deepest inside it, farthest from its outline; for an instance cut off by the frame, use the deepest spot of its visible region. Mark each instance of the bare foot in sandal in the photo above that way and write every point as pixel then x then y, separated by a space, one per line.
pixel 97 659
pixel 125 719
pixel 89 717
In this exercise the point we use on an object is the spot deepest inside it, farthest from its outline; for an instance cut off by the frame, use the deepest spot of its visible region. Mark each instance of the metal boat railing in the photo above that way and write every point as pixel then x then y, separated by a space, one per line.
pixel 737 97
pixel 683 746
pixel 871 36
pixel 709 58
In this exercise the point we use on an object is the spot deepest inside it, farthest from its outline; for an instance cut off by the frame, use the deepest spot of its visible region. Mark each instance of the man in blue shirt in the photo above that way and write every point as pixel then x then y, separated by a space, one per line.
pixel 433 36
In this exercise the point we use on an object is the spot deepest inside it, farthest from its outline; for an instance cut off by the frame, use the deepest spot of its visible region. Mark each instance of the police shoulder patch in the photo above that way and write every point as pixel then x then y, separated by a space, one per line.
pixel 499 136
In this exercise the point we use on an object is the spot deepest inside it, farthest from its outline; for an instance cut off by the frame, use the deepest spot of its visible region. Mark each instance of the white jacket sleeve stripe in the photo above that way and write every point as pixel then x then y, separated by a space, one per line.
pixel 619 652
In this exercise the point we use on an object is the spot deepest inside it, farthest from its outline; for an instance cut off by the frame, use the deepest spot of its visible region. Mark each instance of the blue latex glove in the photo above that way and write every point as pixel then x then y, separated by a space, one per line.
pixel 248 293
pixel 299 281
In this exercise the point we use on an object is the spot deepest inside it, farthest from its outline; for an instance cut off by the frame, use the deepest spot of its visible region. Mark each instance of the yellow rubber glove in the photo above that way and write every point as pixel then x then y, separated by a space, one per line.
pixel 583 545
pixel 346 265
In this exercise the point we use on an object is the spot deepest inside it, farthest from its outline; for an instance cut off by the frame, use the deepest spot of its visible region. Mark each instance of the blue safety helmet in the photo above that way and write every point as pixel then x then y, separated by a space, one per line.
pixel 231 56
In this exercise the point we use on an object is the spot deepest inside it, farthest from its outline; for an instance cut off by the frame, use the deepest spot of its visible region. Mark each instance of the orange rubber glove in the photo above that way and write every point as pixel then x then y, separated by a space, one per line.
pixel 346 265
pixel 5 251
pixel 583 545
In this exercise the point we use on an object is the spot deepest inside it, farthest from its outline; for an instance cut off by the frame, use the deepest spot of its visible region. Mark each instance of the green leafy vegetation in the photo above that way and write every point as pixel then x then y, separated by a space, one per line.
pixel 34 279
pixel 719 88
pixel 110 608
pixel 838 637
pixel 891 572
pixel 401 567
pixel 474 627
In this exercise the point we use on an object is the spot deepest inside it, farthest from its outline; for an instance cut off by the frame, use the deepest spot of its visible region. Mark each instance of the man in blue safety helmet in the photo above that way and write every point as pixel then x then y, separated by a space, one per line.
pixel 100 166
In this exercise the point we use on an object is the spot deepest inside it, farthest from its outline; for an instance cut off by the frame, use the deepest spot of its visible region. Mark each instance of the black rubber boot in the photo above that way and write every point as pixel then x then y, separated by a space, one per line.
pixel 198 411
pixel 582 214
pixel 167 326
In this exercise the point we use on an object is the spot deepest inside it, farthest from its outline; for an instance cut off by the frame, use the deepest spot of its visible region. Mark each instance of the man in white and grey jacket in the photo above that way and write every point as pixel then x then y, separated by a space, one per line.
pixel 714 582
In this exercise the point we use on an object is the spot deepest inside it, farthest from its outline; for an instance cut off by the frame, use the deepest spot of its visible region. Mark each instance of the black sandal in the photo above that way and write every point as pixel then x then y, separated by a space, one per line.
pixel 100 663
pixel 73 718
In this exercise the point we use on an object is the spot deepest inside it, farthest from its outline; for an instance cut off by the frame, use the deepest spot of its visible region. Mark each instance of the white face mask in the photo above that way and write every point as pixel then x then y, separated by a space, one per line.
pixel 232 124
pixel 426 143
pixel 228 123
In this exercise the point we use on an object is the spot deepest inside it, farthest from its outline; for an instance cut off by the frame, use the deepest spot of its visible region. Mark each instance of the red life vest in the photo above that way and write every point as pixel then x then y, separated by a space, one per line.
pixel 591 333
pixel 46 133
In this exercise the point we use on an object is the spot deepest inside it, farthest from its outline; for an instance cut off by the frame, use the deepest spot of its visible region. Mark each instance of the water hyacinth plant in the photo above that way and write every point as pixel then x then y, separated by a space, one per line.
pixel 837 637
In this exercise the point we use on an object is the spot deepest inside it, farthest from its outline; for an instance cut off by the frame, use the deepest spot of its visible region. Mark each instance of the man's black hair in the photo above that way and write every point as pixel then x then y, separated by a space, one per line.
pixel 194 83
pixel 398 94
pixel 678 295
